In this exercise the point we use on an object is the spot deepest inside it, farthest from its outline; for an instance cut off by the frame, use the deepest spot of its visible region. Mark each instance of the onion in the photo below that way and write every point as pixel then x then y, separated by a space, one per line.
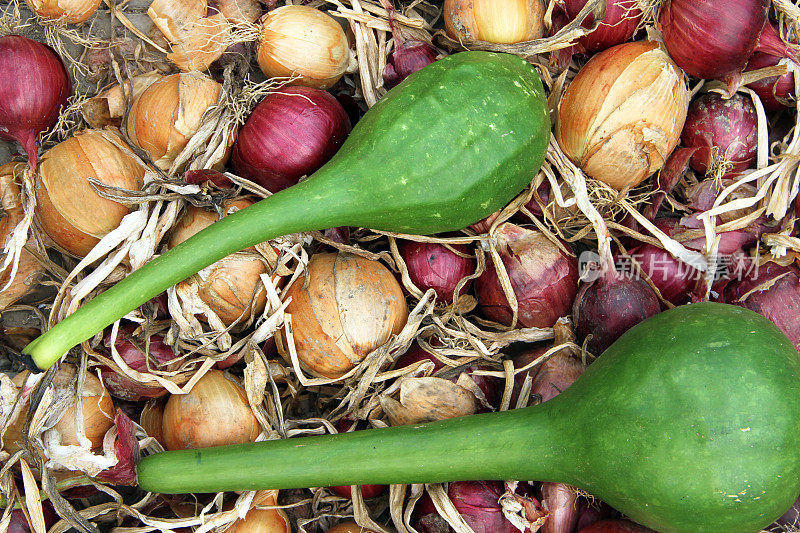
pixel 407 58
pixel 615 526
pixel 152 419
pixel 544 278
pixel 494 21
pixel 435 266
pixel 168 113
pixel 289 134
pixel 127 452
pixel 198 35
pixel 303 41
pixel 77 226
pixel 775 92
pixel 610 305
pixel 622 115
pixel 619 23
pixel 19 524
pixel 710 40
pixel 348 307
pixel 676 281
pixel 724 131
pixel 140 356
pixel 69 11
pixel 204 176
pixel 108 107
pixel 214 413
pixel 35 86
pixel 774 292
pixel 348 527
pixel 559 372
pixel 264 517
pixel 29 269
pixel 561 503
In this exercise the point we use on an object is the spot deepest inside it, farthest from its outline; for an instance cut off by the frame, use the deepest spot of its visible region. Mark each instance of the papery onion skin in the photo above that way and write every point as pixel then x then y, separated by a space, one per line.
pixel 69 11
pixel 69 210
pixel 724 131
pixel 622 115
pixel 303 41
pixel 494 21
pixel 774 292
pixel 543 277
pixel 407 58
pixel 349 307
pixel 477 501
pixel 775 90
pixel 289 134
pixel 710 40
pixel 434 266
pixel 676 281
pixel 619 24
pixel 130 349
pixel 214 413
pixel 35 87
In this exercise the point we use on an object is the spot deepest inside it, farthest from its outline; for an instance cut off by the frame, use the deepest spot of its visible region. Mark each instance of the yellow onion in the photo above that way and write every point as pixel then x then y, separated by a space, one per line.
pixel 214 413
pixel 152 419
pixel 98 411
pixel 494 21
pixel 169 112
pixel 260 519
pixel 69 11
pixel 238 10
pixel 623 113
pixel 303 41
pixel 232 286
pixel 68 209
pixel 108 107
pixel 29 270
pixel 197 40
pixel 348 307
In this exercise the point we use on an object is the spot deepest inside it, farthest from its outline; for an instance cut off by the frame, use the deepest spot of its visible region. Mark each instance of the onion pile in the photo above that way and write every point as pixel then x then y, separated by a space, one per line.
pixel 288 135
pixel 438 267
pixel 35 86
pixel 544 278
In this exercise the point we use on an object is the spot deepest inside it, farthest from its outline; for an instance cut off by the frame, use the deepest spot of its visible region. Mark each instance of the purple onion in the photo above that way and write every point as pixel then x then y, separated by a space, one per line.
pixel 435 266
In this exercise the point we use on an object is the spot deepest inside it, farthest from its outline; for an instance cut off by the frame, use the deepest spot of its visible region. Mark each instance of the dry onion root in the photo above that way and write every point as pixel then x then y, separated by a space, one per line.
pixel 70 212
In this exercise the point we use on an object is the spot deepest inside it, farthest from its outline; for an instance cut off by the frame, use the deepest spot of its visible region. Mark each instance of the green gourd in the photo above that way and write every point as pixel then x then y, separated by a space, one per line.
pixel 690 422
pixel 453 143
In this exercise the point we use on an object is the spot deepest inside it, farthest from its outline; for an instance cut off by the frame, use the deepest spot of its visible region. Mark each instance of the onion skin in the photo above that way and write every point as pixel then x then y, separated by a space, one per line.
pixel 721 129
pixel 494 21
pixel 407 58
pixel 289 134
pixel 774 293
pixel 477 501
pixel 676 281
pixel 268 519
pixel 775 90
pixel 435 266
pixel 69 11
pixel 611 305
pixel 622 115
pixel 35 87
pixel 709 41
pixel 544 279
pixel 561 503
pixel 618 25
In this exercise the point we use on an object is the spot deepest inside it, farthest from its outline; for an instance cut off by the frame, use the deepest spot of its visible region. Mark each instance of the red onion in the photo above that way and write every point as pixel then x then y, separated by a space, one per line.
pixel 130 349
pixel 35 87
pixel 407 58
pixel 775 92
pixel 610 305
pixel 543 278
pixel 126 449
pixel 200 177
pixel 487 384
pixel 435 266
pixel 289 134
pixel 560 502
pixel 619 24
pixel 789 521
pixel 709 39
pixel 723 131
pixel 774 292
pixel 19 524
pixel 676 281
pixel 615 526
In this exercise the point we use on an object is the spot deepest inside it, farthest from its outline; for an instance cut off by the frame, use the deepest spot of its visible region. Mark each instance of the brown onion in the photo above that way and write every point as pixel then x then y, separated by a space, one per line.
pixel 141 356
pixel 263 517
pixel 543 277
pixel 303 41
pixel 288 135
pixel 724 132
pixel 197 34
pixel 622 115
pixel 709 40
pixel 108 107
pixel 214 413
pixel 29 270
pixel 774 292
pixel 69 210
pixel 494 21
pixel 618 25
pixel 348 307
pixel 69 11
pixel 435 266
pixel 168 113
pixel 35 86
pixel 152 419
